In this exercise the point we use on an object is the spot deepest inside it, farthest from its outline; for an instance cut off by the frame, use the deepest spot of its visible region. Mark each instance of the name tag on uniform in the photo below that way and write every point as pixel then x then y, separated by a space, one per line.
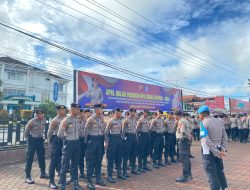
pixel 205 149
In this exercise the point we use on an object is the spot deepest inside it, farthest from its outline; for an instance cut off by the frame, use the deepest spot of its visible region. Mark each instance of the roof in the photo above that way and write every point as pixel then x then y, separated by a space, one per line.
pixel 15 61
pixel 194 98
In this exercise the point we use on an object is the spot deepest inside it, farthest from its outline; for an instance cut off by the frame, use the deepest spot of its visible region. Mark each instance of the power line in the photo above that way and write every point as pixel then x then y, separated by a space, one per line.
pixel 150 21
pixel 143 30
pixel 136 43
pixel 90 58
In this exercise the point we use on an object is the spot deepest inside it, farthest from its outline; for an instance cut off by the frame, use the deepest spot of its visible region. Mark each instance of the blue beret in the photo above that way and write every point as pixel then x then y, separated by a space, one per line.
pixel 203 109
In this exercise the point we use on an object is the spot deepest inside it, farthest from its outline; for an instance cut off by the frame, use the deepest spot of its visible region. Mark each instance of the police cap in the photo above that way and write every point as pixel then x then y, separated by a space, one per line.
pixel 203 109
pixel 75 105
pixel 60 107
pixel 132 110
pixel 87 110
pixel 39 111
pixel 160 111
pixel 118 110
pixel 98 106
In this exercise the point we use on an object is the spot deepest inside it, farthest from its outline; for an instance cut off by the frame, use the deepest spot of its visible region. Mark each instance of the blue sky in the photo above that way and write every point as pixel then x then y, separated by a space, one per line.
pixel 218 29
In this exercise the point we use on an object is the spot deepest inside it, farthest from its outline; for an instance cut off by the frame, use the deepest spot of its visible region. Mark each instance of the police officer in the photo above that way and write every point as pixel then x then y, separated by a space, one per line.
pixel 56 145
pixel 130 143
pixel 34 132
pixel 142 130
pixel 183 135
pixel 84 115
pixel 214 145
pixel 157 126
pixel 69 132
pixel 170 139
pixel 113 142
pixel 94 135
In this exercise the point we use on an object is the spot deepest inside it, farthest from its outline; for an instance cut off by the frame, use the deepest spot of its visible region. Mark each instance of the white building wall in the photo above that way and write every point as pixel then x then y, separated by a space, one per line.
pixel 38 83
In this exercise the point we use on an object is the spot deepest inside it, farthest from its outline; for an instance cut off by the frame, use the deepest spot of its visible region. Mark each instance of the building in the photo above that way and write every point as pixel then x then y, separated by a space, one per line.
pixel 191 103
pixel 25 86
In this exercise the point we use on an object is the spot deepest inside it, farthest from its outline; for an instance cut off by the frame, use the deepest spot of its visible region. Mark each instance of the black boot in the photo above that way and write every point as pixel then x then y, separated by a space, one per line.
pixel 125 174
pixel 146 168
pixel 182 179
pixel 82 176
pixel 111 179
pixel 100 182
pixel 167 162
pixel 29 180
pixel 161 164
pixel 120 176
pixel 52 185
pixel 90 185
pixel 77 186
pixel 155 165
pixel 44 176
pixel 133 171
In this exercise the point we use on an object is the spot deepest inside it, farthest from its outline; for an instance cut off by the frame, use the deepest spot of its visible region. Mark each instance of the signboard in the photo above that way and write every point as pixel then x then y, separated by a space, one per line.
pixel 239 106
pixel 114 93
pixel 216 102
pixel 55 96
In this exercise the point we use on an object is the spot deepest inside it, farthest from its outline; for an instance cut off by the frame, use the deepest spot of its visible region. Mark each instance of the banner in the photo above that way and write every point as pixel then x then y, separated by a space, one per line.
pixel 216 102
pixel 239 106
pixel 114 93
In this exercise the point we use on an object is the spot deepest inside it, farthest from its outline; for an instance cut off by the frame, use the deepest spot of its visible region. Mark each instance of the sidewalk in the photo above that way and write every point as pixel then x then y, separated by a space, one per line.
pixel 237 169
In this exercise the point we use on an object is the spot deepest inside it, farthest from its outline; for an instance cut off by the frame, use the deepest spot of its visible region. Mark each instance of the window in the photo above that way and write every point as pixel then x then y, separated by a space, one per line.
pixel 15 76
pixel 13 92
pixel 60 87
pixel 44 96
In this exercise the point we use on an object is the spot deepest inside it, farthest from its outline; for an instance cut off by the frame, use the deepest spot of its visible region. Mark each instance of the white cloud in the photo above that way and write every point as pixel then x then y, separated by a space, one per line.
pixel 228 40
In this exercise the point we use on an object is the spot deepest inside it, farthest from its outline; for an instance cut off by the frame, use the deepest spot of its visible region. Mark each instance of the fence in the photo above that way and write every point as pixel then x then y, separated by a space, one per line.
pixel 12 134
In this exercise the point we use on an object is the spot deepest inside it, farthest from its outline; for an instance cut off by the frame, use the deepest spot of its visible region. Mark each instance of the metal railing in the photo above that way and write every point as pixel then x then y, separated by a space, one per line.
pixel 12 134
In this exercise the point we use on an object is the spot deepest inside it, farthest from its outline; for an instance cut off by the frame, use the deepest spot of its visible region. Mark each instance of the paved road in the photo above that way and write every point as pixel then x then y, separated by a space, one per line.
pixel 237 169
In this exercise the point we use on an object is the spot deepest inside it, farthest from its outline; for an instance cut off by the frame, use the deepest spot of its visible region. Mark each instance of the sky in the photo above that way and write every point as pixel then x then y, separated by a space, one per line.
pixel 200 45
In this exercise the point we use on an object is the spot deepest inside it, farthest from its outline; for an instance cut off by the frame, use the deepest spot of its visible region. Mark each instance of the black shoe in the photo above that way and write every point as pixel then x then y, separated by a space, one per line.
pixel 155 166
pixel 82 176
pixel 100 182
pixel 141 170
pixel 167 162
pixel 90 186
pixel 44 176
pixel 133 171
pixel 125 174
pixel 111 180
pixel 182 179
pixel 190 176
pixel 29 180
pixel 161 164
pixel 77 186
pixel 69 181
pixel 52 185
pixel 120 176
pixel 191 156
pixel 147 169
pixel 174 161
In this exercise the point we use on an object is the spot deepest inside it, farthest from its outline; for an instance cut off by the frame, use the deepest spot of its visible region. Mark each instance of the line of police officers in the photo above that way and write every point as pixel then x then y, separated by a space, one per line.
pixel 80 135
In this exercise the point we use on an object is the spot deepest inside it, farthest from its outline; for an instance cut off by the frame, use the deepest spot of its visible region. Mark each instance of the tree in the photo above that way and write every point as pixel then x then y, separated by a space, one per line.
pixel 49 108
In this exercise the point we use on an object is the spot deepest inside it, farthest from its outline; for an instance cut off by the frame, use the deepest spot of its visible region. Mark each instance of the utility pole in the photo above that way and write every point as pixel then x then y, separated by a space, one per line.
pixel 249 98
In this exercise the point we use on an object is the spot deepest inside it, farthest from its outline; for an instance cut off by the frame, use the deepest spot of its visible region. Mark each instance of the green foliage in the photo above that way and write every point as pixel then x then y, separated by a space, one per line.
pixel 26 114
pixel 4 115
pixel 49 108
